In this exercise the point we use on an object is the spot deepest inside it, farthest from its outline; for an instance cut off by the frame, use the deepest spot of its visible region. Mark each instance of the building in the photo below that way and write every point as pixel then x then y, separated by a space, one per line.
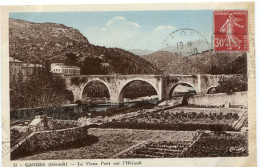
pixel 60 68
pixel 30 70
pixel 15 67
pixel 22 72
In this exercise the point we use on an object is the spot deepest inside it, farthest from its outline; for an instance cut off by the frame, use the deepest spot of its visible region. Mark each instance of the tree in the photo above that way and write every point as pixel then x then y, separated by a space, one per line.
pixel 43 90
pixel 231 85
pixel 92 66
pixel 238 66
pixel 71 59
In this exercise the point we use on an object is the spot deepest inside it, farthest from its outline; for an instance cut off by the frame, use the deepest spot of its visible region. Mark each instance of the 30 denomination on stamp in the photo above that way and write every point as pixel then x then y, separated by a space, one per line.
pixel 231 30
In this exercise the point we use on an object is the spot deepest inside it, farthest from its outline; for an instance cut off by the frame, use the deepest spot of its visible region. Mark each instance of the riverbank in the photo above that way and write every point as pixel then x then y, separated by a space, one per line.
pixel 74 111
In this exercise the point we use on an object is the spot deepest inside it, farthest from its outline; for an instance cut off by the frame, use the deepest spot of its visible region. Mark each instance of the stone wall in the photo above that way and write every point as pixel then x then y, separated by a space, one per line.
pixel 238 98
pixel 49 140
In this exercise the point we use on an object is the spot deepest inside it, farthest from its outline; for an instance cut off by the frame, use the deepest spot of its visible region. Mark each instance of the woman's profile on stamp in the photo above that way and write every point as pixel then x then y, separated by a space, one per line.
pixel 228 28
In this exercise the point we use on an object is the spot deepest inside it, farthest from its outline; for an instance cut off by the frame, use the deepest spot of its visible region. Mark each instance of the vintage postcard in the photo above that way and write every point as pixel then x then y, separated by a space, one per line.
pixel 128 85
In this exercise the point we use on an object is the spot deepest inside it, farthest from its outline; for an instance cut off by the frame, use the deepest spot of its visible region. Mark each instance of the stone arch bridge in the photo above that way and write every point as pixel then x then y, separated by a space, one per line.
pixel 163 85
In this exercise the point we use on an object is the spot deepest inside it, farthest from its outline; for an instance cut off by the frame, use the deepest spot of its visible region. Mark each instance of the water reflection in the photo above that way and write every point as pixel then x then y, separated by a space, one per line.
pixel 72 112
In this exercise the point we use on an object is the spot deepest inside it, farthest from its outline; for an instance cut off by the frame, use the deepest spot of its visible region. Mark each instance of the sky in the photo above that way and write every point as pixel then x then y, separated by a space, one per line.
pixel 127 29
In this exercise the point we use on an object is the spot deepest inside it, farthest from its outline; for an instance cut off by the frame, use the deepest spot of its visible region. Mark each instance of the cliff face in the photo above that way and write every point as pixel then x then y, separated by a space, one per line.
pixel 50 42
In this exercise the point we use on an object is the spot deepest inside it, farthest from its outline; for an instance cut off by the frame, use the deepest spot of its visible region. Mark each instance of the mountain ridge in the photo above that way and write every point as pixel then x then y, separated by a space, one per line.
pixel 201 63
pixel 141 52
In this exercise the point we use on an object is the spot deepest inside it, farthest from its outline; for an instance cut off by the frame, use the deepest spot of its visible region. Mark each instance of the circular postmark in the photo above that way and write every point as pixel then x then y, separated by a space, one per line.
pixel 5 148
pixel 185 42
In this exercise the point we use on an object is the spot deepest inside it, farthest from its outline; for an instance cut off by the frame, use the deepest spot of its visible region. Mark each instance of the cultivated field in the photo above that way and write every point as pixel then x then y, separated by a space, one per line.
pixel 175 132
pixel 219 145
pixel 181 118
pixel 111 143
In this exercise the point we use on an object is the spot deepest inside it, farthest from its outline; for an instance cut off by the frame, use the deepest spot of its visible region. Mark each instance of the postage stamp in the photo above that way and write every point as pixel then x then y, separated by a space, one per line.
pixel 231 30
pixel 128 85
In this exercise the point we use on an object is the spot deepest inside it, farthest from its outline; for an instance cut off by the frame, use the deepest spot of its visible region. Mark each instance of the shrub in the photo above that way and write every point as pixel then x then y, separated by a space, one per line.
pixel 231 85
pixel 41 91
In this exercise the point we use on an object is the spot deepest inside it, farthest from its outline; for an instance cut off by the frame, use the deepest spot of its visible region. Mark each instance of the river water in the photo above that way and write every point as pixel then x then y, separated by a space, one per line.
pixel 71 112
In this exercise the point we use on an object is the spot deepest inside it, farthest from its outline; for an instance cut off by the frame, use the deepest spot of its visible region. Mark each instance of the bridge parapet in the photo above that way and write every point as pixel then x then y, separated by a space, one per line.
pixel 114 83
pixel 163 84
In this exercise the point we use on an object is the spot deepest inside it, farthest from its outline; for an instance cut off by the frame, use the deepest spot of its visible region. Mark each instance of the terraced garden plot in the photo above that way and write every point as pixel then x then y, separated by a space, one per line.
pixel 216 119
pixel 219 145
pixel 162 149
pixel 114 141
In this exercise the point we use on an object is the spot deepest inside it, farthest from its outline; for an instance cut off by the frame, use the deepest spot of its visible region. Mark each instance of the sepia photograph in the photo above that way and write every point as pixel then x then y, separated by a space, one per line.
pixel 128 84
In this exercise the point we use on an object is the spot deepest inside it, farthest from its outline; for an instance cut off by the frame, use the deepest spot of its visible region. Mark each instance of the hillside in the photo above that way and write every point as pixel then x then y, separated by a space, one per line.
pixel 141 52
pixel 201 63
pixel 49 42
pixel 201 46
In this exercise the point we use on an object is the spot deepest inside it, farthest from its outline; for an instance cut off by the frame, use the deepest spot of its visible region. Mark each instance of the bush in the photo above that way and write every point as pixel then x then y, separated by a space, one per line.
pixel 238 66
pixel 41 91
pixel 231 85
pixel 177 121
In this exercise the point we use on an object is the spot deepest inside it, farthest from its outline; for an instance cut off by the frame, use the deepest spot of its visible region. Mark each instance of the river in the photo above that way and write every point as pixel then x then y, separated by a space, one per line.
pixel 69 112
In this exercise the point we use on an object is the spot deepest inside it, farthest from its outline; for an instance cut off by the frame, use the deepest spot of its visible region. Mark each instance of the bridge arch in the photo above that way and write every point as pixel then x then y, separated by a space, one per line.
pixel 177 84
pixel 95 79
pixel 128 82
pixel 210 88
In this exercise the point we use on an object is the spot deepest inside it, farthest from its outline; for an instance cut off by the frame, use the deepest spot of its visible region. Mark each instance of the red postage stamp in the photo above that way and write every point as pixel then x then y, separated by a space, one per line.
pixel 231 30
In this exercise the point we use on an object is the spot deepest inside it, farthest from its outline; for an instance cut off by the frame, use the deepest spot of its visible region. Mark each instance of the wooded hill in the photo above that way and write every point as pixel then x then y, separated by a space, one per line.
pixel 49 42
pixel 208 62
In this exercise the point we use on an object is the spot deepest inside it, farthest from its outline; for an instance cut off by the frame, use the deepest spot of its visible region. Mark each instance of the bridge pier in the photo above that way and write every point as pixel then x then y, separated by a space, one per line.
pixel 162 84
pixel 77 95
pixel 114 98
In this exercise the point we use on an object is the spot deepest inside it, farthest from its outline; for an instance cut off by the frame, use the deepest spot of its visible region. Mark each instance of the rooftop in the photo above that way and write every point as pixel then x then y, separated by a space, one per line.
pixel 62 65
pixel 13 60
pixel 34 65
pixel 69 66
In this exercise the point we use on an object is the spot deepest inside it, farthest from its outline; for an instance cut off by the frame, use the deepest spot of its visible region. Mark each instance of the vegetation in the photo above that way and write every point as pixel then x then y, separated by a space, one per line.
pixel 208 62
pixel 165 120
pixel 77 81
pixel 42 90
pixel 123 109
pixel 238 66
pixel 219 145
pixel 208 145
pixel 96 89
pixel 108 143
pixel 58 43
pixel 231 85
pixel 161 149
pixel 138 89
pixel 16 136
